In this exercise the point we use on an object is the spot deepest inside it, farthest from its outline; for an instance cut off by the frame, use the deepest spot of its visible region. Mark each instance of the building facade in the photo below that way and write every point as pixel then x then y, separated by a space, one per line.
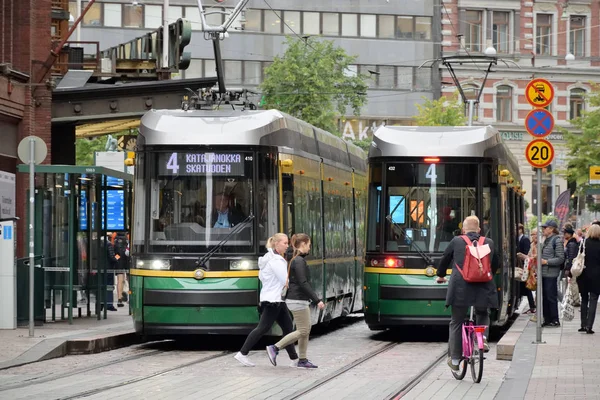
pixel 390 39
pixel 535 39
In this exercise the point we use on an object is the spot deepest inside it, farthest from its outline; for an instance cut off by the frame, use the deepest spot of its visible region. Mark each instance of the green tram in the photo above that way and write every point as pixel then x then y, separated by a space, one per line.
pixel 423 182
pixel 196 273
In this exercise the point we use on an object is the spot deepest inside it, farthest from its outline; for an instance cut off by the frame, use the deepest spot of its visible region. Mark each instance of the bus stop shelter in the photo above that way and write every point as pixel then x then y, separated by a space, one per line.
pixel 75 209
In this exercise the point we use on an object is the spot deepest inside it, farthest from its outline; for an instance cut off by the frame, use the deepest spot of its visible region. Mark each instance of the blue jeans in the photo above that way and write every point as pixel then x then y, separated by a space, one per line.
pixel 550 299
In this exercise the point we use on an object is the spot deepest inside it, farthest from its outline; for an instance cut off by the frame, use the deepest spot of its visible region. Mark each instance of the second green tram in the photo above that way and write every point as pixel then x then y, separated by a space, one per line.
pixel 423 182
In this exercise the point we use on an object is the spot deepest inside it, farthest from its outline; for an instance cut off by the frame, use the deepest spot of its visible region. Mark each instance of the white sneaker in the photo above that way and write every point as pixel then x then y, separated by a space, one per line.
pixel 294 363
pixel 244 359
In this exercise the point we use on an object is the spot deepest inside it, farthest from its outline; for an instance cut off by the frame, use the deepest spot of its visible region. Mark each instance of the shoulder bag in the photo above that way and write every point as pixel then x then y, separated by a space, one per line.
pixel 578 263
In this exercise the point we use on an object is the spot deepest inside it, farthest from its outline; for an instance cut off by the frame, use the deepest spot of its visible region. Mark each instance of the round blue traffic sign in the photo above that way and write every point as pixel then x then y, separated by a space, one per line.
pixel 539 123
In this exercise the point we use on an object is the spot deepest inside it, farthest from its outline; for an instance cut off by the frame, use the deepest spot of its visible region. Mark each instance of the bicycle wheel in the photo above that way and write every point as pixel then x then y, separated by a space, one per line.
pixel 462 369
pixel 476 360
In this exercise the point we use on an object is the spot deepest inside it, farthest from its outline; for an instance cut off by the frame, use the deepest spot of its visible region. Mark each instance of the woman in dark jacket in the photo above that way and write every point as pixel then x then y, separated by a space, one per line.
pixel 589 281
pixel 299 296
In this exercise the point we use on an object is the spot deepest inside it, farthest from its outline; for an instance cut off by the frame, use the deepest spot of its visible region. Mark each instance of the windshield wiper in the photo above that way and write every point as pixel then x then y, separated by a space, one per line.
pixel 236 229
pixel 400 232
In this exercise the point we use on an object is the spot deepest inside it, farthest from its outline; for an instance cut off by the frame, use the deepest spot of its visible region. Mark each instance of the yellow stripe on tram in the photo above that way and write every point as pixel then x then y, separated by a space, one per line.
pixel 398 271
pixel 190 274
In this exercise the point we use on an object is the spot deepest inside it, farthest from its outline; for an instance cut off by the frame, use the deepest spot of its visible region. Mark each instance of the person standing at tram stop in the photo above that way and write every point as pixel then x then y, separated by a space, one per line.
pixel 463 295
pixel 273 276
pixel 589 280
pixel 523 248
pixel 299 296
pixel 121 249
pixel 111 265
pixel 553 258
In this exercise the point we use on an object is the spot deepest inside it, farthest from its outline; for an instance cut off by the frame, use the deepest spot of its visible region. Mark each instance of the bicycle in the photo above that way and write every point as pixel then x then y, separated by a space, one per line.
pixel 473 350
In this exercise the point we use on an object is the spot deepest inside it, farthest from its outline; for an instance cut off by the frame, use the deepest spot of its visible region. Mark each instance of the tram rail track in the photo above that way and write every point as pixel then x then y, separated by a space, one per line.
pixel 408 386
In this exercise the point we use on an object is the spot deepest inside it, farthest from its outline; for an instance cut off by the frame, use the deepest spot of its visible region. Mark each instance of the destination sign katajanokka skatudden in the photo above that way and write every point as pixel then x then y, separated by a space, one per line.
pixel 193 163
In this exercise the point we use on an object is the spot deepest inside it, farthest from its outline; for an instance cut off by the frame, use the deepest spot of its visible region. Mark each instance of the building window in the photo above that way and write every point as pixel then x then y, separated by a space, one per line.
pixel 576 103
pixel 473 30
pixel 311 23
pixel 236 24
pixel 370 72
pixel 543 34
pixel 194 70
pixel 176 12
pixel 331 24
pixel 272 22
pixel 404 27
pixel 504 103
pixel 210 68
pixel 192 14
pixel 112 15
pixel 351 71
pixel 422 78
pixel 501 37
pixel 73 11
pixel 292 22
pixel 152 16
pixel 577 35
pixel 386 28
pixel 252 72
pixel 93 17
pixel 405 78
pixel 423 28
pixel 349 25
pixel 233 72
pixel 387 77
pixel 368 25
pixel 253 21
pixel 132 16
pixel 211 19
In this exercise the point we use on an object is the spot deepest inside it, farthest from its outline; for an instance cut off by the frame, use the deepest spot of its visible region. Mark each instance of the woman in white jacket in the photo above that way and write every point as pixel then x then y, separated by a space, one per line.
pixel 273 276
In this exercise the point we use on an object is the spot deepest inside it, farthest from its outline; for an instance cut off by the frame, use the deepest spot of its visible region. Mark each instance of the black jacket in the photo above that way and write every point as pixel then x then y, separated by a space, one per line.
pixel 524 245
pixel 299 287
pixel 233 216
pixel 461 293
pixel 589 280
pixel 571 250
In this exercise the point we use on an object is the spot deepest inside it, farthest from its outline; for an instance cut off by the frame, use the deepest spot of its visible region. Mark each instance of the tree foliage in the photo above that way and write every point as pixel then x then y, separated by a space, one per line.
pixel 445 111
pixel 85 148
pixel 584 146
pixel 532 223
pixel 310 82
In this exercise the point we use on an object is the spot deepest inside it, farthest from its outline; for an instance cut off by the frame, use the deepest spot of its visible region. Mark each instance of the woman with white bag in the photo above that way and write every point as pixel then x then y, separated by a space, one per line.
pixel 589 280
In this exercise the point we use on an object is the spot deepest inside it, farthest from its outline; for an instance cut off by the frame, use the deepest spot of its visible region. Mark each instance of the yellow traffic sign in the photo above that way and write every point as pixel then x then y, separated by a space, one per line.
pixel 539 92
pixel 539 153
pixel 595 175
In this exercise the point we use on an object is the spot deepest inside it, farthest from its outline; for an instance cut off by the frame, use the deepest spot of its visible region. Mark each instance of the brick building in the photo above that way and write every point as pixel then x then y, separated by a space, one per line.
pixel 537 36
pixel 25 43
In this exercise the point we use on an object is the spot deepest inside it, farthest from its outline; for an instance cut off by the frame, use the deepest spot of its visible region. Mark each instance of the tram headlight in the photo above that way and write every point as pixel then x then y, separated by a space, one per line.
pixel 153 264
pixel 243 265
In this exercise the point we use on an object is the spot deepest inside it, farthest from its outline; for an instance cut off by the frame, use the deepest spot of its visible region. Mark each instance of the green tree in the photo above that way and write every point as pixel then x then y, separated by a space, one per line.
pixel 310 82
pixel 85 148
pixel 584 146
pixel 445 111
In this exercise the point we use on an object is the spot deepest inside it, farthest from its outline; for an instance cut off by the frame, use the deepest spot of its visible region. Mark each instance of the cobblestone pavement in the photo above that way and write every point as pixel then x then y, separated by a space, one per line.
pixel 223 377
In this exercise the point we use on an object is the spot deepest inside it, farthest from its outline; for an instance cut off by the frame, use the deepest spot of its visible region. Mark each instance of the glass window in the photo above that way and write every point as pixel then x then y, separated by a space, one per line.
pixel 112 15
pixel 386 28
pixel 292 19
pixel 252 72
pixel 73 10
pixel 423 28
pixel 215 19
pixel 253 20
pixel 473 30
pixel 405 78
pixel 311 23
pixel 349 25
pixel 543 34
pixel 404 27
pixel 331 24
pixel 152 16
pixel 423 78
pixel 132 16
pixel 374 203
pixel 351 70
pixel 272 22
pixel 237 22
pixel 576 103
pixel 370 72
pixel 265 65
pixel 500 31
pixel 210 68
pixel 195 69
pixel 577 35
pixel 368 25
pixel 233 72
pixel 192 14
pixel 504 103
pixel 175 12
pixel 93 17
pixel 387 77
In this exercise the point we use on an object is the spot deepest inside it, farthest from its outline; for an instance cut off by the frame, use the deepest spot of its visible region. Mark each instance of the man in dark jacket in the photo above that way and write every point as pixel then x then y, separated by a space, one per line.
pixel 462 295
pixel 225 216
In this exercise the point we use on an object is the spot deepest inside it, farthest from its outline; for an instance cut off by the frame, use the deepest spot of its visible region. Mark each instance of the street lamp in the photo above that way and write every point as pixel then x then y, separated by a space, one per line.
pixel 569 57
pixel 490 51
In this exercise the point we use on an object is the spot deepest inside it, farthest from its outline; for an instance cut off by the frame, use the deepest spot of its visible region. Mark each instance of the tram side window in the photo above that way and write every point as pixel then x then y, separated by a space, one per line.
pixel 374 212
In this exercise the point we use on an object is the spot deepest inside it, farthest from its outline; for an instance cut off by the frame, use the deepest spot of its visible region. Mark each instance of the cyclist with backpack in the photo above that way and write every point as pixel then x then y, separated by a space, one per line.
pixel 473 262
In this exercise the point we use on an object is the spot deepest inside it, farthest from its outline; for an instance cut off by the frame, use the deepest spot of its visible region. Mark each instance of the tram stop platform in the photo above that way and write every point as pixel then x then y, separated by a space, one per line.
pixel 58 339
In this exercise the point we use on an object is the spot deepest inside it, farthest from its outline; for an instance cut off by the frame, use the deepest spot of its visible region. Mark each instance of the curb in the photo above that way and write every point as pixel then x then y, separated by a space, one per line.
pixel 506 346
pixel 56 348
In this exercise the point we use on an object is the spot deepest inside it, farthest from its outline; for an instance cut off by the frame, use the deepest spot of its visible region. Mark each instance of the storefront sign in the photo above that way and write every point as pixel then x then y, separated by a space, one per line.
pixel 510 135
pixel 7 194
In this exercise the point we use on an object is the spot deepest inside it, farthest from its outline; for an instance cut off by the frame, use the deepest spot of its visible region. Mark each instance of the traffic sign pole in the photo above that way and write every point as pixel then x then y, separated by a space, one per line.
pixel 31 231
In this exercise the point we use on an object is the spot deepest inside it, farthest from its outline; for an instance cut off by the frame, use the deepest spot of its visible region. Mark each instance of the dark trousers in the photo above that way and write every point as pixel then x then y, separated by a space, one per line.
pixel 271 313
pixel 526 292
pixel 589 302
pixel 550 299
pixel 459 314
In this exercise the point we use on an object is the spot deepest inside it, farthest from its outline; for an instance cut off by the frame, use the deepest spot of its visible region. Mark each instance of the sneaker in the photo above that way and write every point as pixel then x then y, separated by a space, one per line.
pixel 306 364
pixel 244 359
pixel 294 363
pixel 272 353
pixel 486 346
pixel 452 366
pixel 554 324
pixel 110 307
pixel 582 329
pixel 120 304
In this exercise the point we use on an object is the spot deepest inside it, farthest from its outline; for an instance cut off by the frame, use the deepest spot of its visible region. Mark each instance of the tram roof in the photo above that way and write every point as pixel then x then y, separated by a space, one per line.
pixel 246 128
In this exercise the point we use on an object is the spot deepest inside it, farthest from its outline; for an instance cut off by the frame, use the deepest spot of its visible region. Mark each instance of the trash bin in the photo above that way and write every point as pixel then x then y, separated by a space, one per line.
pixel 39 311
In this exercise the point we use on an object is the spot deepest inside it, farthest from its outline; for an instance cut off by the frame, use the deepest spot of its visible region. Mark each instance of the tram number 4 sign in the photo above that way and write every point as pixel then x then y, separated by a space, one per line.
pixel 539 153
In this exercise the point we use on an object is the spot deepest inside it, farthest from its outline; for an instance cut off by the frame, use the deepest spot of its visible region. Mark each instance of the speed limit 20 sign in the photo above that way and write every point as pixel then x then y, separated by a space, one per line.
pixel 539 153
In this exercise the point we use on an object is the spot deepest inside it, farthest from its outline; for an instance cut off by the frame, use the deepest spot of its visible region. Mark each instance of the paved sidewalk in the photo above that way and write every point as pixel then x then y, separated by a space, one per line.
pixel 56 339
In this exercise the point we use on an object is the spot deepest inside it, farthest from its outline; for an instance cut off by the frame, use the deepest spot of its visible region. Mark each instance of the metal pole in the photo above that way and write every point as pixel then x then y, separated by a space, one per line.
pixel 31 230
pixel 538 300
pixel 165 43
pixel 553 183
pixel 471 104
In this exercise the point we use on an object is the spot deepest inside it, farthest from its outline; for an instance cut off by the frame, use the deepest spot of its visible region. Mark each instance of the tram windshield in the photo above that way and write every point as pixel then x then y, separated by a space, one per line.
pixel 427 202
pixel 198 198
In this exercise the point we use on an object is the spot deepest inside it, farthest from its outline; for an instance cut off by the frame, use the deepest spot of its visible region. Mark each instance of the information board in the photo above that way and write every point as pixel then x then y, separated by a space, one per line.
pixel 115 207
pixel 194 163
